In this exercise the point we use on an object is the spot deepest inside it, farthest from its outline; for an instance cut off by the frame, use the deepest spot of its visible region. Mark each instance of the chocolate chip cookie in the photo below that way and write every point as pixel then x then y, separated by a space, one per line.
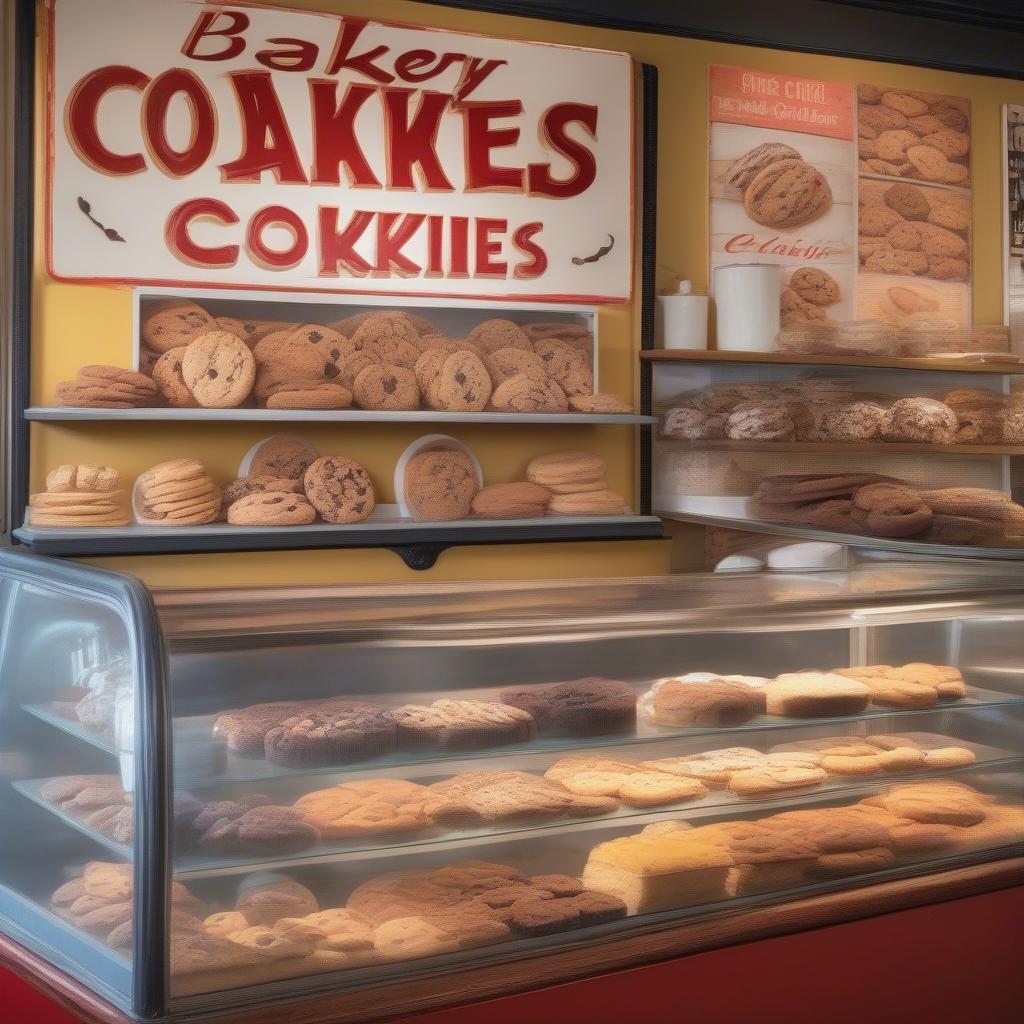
pixel 815 285
pixel 219 370
pixel 787 194
pixel 462 384
pixel 742 171
pixel 339 489
pixel 172 323
pixel 169 379
pixel 440 485
pixel 386 387
pixel 271 508
pixel 280 456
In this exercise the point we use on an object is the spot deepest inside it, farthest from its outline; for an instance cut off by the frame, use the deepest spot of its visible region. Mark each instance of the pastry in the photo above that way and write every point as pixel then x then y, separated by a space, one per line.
pixel 281 456
pixel 815 695
pixel 339 489
pixel 853 421
pixel 261 830
pixel 787 194
pixel 171 323
pixel 716 703
pixel 687 424
pixel 774 776
pixel 815 285
pixel 460 725
pixel 271 508
pixel 366 808
pixel 584 707
pixel 742 171
pixel 511 501
pixel 218 369
pixel 245 729
pixel 761 423
pixel 440 484
pixel 265 900
pixel 331 732
pixel 890 510
pixel 168 376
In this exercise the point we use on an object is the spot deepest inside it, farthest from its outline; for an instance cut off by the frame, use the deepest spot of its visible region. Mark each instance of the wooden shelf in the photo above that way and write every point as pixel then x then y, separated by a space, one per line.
pixel 840 447
pixel 789 359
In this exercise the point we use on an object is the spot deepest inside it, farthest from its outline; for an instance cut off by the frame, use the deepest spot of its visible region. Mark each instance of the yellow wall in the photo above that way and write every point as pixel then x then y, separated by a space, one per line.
pixel 76 324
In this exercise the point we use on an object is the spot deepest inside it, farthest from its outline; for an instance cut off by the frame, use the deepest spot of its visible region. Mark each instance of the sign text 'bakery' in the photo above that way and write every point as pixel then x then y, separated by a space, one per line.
pixel 281 149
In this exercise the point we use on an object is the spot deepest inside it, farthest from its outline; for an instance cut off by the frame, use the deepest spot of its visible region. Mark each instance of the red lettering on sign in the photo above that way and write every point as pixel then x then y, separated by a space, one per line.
pixel 203 114
pixel 336 248
pixel 435 246
pixel 481 138
pixel 276 259
pixel 180 243
pixel 554 123
pixel 459 266
pixel 522 239
pixel 486 249
pixel 334 135
pixel 414 143
pixel 301 57
pixel 408 64
pixel 80 118
pixel 204 27
pixel 351 29
pixel 393 231
pixel 266 141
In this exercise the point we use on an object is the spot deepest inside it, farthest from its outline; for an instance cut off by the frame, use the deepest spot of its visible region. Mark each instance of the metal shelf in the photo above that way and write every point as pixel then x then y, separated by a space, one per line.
pixel 663 355
pixel 57 414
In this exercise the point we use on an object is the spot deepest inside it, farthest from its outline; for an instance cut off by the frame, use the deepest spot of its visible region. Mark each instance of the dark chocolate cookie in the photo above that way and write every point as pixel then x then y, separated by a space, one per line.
pixel 332 732
pixel 246 728
pixel 582 707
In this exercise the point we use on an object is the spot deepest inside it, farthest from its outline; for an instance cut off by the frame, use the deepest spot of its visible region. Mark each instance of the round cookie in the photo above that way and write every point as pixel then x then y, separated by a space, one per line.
pixel 461 385
pixel 897 261
pixel 920 419
pixel 907 200
pixel 815 285
pixel 943 268
pixel 949 143
pixel 936 241
pixel 565 366
pixel 894 143
pixel 904 236
pixel 279 456
pixel 271 508
pixel 504 363
pixel 877 220
pixel 429 364
pixel 854 421
pixel 881 118
pixel 386 387
pixel 952 216
pixel 440 485
pixel 521 394
pixel 389 338
pixel 83 477
pixel 339 489
pixel 169 379
pixel 173 323
pixel 787 194
pixel 928 163
pixel 219 369
pixel 742 171
pixel 286 360
pixel 492 335
pixel 907 105
pixel 246 485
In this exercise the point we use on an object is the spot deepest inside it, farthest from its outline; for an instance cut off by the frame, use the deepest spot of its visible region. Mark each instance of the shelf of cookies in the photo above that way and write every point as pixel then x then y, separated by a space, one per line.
pixel 986 363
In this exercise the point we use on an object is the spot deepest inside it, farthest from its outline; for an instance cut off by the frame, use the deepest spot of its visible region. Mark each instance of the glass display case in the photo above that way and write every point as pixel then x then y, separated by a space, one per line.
pixel 227 797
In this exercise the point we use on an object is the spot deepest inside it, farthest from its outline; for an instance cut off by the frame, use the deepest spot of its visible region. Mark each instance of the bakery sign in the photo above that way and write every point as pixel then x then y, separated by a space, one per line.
pixel 247 145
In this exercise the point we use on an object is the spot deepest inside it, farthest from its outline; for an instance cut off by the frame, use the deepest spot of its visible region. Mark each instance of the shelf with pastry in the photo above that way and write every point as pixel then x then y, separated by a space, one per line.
pixel 838 447
pixel 238 831
pixel 1005 364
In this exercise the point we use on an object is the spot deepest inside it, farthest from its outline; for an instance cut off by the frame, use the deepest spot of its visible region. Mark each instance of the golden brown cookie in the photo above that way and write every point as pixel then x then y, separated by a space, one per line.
pixel 218 369
pixel 492 335
pixel 952 215
pixel 815 285
pixel 170 380
pixel 565 366
pixel 288 360
pixel 938 241
pixel 389 338
pixel 906 104
pixel 743 170
pixel 429 364
pixel 568 471
pixel 271 508
pixel 385 387
pixel 440 485
pixel 511 501
pixel 521 394
pixel 943 268
pixel 339 489
pixel 321 396
pixel 588 503
pixel 787 194
pixel 875 221
pixel 908 201
pixel 83 477
pixel 246 485
pixel 461 385
pixel 281 456
pixel 171 323
pixel 504 363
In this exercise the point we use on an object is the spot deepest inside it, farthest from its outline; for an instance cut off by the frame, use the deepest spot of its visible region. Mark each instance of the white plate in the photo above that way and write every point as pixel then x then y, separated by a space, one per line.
pixel 429 442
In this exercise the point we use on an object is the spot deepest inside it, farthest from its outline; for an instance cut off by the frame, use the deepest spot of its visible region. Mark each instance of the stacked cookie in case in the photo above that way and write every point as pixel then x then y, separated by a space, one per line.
pixel 383 361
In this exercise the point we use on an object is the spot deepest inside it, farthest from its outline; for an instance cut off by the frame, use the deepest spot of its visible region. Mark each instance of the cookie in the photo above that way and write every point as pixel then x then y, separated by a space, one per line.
pixel 280 456
pixel 868 94
pixel 928 163
pixel 602 502
pixel 388 338
pixel 462 384
pixel 386 387
pixel 692 425
pixel 511 501
pixel 908 201
pixel 266 902
pixel 907 105
pixel 715 703
pixel 172 323
pixel 787 194
pixel 366 808
pixel 333 732
pixel 774 777
pixel 952 216
pixel 218 369
pixel 339 489
pixel 943 268
pixel 743 170
pixel 523 394
pixel 169 378
pixel 83 477
pixel 600 403
pixel 893 144
pixel 897 261
pixel 504 363
pixel 815 694
pixel 429 364
pixel 460 725
pixel 876 221
pixel 565 366
pixel 440 485
pixel 289 360
pixel 271 508
pixel 938 241
pixel 815 285
pixel 568 471
pixel 584 707
pixel 321 396
pixel 951 144
pixel 904 236
pixel 881 118
pixel 492 335
pixel 245 729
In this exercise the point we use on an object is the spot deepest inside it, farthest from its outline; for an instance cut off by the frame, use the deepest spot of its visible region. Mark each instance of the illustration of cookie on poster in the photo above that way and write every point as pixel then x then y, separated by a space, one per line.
pixel 914 160
pixel 783 185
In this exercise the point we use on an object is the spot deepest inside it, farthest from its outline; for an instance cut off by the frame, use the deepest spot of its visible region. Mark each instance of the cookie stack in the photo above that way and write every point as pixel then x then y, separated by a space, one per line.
pixel 177 493
pixel 80 495
pixel 107 387
pixel 578 484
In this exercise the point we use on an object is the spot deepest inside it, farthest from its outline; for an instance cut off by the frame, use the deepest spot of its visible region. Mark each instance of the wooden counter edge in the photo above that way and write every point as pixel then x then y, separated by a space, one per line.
pixel 488 982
